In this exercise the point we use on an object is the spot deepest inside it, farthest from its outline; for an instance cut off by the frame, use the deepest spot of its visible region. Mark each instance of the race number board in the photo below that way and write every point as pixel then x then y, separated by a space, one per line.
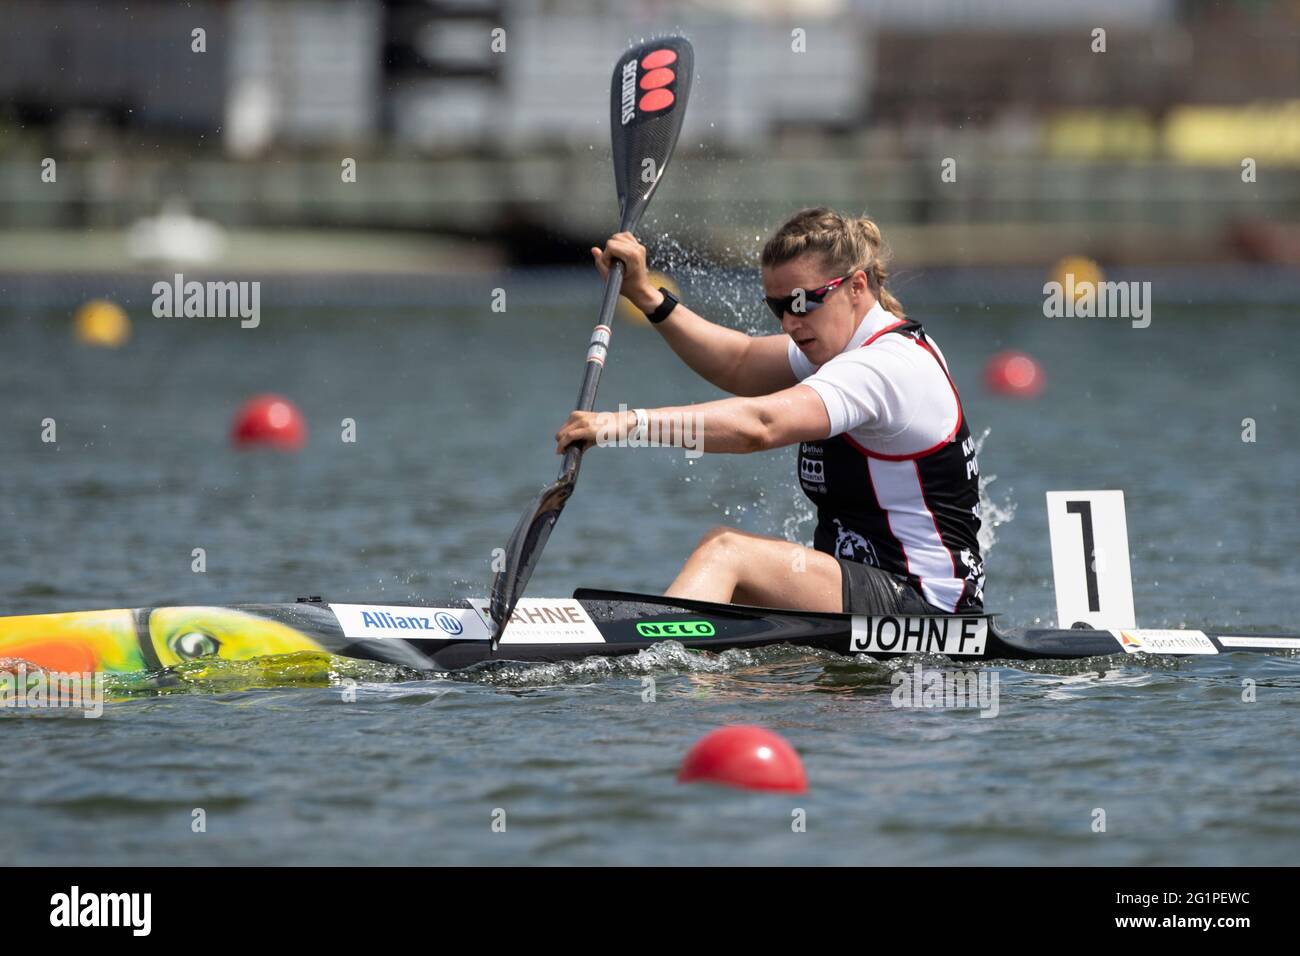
pixel 1090 563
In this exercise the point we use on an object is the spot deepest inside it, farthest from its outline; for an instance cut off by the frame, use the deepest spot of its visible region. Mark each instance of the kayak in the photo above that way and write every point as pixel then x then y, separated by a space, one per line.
pixel 592 623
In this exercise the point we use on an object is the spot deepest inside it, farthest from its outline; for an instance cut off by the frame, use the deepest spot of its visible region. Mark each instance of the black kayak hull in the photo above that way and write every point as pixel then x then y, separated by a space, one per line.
pixel 591 623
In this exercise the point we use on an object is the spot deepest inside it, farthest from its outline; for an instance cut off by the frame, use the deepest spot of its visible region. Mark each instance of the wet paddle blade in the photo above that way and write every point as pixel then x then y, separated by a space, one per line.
pixel 523 550
pixel 647 106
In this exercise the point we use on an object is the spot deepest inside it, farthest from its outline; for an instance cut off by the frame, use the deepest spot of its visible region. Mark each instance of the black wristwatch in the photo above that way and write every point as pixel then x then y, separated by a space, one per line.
pixel 665 309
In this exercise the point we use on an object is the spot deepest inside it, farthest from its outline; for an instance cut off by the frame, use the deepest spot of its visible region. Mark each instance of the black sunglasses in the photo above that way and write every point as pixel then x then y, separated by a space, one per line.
pixel 812 299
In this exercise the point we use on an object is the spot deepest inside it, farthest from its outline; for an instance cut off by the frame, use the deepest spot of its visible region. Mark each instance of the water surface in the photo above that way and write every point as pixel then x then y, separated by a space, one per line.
pixel 455 408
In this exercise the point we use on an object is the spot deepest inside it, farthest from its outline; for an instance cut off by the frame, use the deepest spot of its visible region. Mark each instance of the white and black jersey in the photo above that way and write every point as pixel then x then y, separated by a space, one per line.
pixel 897 483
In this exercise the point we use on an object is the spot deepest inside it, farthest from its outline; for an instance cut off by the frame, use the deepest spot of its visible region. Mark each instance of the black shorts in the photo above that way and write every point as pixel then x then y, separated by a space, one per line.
pixel 869 590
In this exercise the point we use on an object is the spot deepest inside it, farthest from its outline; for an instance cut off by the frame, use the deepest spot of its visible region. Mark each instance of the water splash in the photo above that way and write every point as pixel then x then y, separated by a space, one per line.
pixel 993 514
pixel 731 297
pixel 218 676
pixel 668 657
pixel 798 525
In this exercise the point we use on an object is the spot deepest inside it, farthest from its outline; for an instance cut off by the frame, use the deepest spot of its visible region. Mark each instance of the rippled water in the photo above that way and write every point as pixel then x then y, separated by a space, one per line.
pixel 454 414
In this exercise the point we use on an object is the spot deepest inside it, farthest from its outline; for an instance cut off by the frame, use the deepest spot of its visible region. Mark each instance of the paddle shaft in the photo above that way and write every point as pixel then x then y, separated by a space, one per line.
pixel 644 133
pixel 597 350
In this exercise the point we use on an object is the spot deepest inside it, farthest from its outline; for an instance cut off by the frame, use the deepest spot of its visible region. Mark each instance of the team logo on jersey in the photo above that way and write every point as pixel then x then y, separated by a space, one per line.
pixel 812 470
pixel 974 573
pixel 812 473
pixel 849 544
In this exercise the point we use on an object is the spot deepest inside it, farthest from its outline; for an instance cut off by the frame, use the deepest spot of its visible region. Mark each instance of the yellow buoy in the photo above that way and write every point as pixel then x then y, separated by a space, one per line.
pixel 1076 274
pixel 630 313
pixel 102 324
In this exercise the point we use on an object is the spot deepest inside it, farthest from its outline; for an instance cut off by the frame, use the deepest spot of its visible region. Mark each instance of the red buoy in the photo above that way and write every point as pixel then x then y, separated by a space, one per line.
pixel 744 756
pixel 269 420
pixel 1015 374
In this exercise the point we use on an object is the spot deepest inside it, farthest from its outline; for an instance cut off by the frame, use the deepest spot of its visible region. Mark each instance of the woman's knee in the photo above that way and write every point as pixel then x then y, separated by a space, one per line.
pixel 717 539
pixel 720 544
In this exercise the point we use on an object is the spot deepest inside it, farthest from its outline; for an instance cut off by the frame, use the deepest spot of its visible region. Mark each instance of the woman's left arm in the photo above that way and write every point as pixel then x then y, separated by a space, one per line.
pixel 728 426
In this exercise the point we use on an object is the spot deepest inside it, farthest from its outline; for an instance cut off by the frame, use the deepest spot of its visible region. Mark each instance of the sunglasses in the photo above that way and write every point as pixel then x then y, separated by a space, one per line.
pixel 812 299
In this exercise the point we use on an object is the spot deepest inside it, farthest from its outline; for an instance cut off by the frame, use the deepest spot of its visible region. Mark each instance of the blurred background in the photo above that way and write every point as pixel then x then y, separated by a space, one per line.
pixel 1143 140
pixel 471 158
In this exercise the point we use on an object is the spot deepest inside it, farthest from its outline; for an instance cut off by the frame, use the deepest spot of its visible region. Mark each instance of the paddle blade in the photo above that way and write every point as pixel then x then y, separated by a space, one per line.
pixel 524 548
pixel 647 105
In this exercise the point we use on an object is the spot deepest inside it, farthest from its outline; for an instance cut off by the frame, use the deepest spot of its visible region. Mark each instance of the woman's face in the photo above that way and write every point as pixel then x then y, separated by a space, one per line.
pixel 820 333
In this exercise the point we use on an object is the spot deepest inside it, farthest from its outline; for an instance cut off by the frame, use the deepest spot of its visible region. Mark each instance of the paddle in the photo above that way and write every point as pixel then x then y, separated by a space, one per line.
pixel 647 103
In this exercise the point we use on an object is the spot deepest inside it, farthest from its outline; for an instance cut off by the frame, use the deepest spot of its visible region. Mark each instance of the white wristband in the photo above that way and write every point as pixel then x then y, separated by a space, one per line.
pixel 642 425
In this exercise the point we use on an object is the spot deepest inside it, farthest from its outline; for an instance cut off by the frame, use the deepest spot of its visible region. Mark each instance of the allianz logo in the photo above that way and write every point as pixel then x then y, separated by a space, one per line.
pixel 441 621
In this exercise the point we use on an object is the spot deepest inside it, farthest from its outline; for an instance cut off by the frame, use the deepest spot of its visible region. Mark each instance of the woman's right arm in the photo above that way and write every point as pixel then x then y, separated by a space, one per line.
pixel 730 359
pixel 735 362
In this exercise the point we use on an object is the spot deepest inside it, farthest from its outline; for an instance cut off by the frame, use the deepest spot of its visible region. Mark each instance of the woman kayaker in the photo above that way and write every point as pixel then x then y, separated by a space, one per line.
pixel 885 451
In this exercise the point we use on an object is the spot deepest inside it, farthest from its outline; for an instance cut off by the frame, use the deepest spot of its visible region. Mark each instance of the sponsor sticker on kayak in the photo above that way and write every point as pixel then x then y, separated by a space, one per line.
pixel 544 621
pixel 1273 643
pixel 675 630
pixel 1165 642
pixel 932 634
pixel 404 621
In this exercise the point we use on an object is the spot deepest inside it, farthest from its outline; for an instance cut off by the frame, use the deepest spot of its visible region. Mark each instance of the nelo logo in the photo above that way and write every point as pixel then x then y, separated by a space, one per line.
pixel 676 629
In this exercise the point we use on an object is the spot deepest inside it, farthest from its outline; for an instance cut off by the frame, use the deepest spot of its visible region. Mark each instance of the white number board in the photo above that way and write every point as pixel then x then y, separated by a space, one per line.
pixel 1090 563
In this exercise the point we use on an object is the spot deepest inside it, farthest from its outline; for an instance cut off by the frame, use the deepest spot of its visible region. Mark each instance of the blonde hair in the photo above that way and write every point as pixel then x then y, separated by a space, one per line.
pixel 844 243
